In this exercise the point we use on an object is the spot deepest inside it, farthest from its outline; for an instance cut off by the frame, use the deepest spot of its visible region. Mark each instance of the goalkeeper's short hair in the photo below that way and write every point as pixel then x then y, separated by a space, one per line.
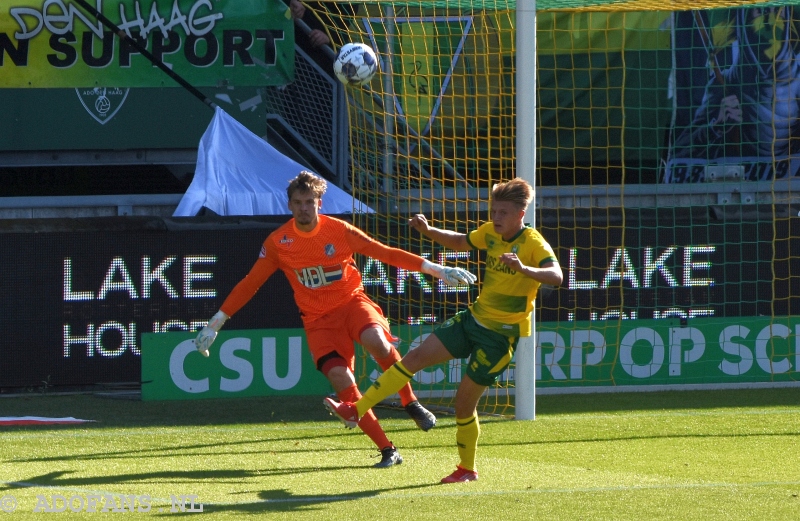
pixel 307 181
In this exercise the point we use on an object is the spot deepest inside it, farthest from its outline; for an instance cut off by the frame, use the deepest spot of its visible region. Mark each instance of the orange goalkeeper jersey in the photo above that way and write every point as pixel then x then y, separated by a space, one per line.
pixel 319 265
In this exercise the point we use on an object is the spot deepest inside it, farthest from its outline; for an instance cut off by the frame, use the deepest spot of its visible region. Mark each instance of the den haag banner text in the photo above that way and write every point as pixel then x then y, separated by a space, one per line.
pixel 58 44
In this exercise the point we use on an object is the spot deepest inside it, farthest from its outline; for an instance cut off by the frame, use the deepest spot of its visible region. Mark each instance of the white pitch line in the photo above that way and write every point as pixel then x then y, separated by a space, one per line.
pixel 667 414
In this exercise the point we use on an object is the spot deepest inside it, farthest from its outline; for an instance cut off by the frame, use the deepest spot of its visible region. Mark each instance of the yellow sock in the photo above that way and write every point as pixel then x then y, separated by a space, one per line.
pixel 391 381
pixel 467 432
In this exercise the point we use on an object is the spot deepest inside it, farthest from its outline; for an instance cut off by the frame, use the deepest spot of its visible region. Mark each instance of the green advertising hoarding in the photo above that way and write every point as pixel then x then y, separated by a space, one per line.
pixel 57 44
pixel 255 362
pixel 734 350
pixel 608 354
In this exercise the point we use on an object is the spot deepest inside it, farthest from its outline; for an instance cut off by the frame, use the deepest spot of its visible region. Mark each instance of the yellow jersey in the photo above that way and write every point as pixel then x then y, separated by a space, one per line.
pixel 506 297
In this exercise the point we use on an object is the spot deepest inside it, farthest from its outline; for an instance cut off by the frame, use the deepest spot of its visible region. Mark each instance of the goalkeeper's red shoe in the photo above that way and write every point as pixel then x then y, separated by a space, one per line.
pixel 345 411
pixel 461 475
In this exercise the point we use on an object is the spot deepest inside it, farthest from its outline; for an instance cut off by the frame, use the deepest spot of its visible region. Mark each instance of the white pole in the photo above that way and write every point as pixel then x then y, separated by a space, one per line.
pixel 388 107
pixel 525 368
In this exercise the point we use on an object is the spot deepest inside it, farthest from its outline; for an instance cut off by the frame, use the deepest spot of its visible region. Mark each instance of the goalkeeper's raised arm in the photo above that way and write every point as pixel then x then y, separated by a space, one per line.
pixel 362 243
pixel 449 239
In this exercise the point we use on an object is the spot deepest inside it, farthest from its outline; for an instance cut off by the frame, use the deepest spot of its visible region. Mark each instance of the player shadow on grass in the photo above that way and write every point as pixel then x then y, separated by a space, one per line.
pixel 61 479
pixel 182 448
pixel 282 500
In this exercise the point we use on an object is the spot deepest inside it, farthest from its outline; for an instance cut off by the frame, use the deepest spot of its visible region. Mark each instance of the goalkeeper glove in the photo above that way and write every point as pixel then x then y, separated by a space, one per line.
pixel 207 335
pixel 450 276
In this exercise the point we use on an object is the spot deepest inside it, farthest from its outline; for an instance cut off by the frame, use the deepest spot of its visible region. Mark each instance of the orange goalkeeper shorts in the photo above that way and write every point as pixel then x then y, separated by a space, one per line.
pixel 338 330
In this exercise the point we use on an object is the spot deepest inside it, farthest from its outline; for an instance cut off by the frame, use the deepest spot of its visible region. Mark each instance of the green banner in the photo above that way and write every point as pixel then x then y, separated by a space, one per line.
pixel 666 351
pixel 572 354
pixel 56 43
pixel 257 362
pixel 641 352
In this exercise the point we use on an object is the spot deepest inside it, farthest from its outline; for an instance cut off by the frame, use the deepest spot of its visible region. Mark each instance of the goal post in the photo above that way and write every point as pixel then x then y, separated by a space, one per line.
pixel 525 357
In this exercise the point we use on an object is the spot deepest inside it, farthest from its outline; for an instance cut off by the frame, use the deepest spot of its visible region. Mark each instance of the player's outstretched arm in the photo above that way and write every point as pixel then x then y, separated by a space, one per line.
pixel 449 239
pixel 207 335
pixel 362 243
pixel 450 276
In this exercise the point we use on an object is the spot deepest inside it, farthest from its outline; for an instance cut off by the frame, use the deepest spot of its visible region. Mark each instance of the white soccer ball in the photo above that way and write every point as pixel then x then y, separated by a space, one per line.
pixel 356 64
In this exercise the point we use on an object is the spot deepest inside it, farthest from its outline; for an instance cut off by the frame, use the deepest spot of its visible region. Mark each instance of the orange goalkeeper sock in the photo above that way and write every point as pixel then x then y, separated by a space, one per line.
pixel 368 422
pixel 406 394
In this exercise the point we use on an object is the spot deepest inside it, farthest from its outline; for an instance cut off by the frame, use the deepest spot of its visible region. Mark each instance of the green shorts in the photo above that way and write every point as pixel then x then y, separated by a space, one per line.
pixel 488 351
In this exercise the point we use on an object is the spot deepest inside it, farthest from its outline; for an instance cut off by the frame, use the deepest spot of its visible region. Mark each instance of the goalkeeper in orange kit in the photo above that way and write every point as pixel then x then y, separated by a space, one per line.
pixel 316 253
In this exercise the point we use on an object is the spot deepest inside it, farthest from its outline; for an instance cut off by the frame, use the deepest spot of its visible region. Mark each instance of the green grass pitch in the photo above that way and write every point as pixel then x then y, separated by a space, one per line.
pixel 684 455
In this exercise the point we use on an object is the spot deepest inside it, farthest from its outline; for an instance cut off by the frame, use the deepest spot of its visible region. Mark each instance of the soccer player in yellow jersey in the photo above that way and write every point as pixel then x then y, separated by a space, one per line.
pixel 315 252
pixel 518 261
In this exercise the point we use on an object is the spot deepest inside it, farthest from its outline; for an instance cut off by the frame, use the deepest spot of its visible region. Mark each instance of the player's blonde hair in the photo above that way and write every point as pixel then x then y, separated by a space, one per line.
pixel 516 191
pixel 306 181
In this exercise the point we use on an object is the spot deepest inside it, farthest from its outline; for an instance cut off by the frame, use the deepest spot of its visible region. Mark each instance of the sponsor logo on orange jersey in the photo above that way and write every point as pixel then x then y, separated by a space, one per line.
pixel 317 276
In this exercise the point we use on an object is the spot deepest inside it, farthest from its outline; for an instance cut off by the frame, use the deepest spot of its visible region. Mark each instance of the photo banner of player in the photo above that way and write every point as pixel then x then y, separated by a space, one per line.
pixel 736 95
pixel 57 44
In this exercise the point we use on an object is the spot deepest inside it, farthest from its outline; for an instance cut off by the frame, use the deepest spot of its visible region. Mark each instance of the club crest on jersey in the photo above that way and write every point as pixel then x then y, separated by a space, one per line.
pixel 317 276
pixel 515 248
pixel 329 250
